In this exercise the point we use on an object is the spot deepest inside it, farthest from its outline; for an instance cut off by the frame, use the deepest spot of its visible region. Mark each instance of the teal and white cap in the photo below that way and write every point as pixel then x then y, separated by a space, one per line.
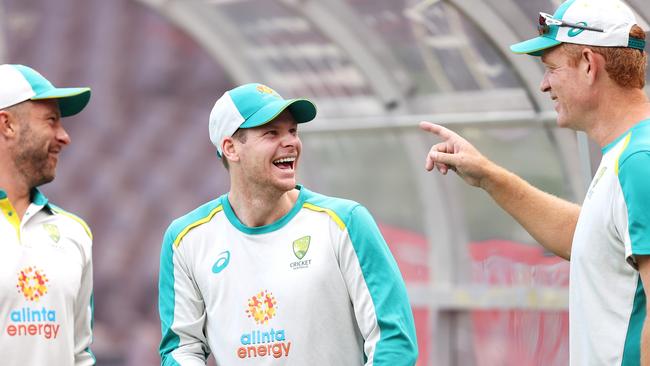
pixel 252 105
pixel 605 23
pixel 19 83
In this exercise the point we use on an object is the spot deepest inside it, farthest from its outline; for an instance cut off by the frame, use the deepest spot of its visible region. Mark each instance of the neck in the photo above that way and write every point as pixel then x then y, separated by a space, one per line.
pixel 616 113
pixel 18 191
pixel 255 207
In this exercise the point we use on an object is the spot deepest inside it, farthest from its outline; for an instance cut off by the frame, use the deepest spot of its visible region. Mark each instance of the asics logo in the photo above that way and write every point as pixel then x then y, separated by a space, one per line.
pixel 575 31
pixel 222 262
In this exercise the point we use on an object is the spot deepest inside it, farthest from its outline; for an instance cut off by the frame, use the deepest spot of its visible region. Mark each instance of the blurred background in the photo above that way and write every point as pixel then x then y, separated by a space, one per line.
pixel 483 292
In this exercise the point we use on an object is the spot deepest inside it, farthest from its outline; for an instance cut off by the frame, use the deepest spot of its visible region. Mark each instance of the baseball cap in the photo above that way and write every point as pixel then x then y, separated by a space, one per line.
pixel 604 23
pixel 19 83
pixel 252 105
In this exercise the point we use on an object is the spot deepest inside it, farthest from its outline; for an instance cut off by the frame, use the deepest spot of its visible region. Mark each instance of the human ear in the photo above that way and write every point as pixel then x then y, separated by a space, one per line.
pixel 228 149
pixel 7 124
pixel 591 63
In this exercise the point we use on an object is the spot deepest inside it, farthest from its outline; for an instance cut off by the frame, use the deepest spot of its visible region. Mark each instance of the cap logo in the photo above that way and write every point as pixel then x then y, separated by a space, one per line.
pixel 266 90
pixel 575 31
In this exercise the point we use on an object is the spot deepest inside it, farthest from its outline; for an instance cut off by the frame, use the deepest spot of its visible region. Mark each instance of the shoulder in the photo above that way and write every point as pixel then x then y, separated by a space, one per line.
pixel 341 210
pixel 636 144
pixel 72 221
pixel 199 216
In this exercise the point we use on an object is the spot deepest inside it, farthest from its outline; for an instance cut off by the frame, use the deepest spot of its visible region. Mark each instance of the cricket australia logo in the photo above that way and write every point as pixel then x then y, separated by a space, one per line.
pixel 53 232
pixel 599 175
pixel 300 248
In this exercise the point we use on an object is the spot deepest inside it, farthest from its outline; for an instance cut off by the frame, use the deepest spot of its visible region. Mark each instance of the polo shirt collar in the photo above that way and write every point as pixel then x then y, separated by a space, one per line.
pixel 36 197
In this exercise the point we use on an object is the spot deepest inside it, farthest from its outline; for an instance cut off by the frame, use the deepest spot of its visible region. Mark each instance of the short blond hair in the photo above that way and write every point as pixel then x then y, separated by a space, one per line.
pixel 626 66
pixel 240 135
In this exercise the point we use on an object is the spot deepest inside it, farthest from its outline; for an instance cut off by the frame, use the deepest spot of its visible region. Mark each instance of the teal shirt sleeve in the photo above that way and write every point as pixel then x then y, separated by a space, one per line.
pixel 174 351
pixel 397 344
pixel 634 177
pixel 166 302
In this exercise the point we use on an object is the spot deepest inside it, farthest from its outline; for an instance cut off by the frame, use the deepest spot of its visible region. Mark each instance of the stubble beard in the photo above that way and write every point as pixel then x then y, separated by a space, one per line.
pixel 32 160
pixel 267 184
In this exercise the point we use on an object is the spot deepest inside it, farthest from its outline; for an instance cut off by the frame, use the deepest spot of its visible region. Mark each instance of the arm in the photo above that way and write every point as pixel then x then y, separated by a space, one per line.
pixel 548 219
pixel 182 311
pixel 83 315
pixel 643 262
pixel 379 297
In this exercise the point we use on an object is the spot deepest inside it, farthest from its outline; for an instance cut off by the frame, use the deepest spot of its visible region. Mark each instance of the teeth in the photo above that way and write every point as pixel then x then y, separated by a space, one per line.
pixel 285 160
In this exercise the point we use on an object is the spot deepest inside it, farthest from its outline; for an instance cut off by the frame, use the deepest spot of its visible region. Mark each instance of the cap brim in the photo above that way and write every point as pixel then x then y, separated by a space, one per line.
pixel 535 46
pixel 71 100
pixel 302 111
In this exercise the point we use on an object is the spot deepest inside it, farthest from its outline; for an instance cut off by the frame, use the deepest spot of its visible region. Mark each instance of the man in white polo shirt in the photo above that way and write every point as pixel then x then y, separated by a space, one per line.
pixel 46 277
pixel 593 52
pixel 272 273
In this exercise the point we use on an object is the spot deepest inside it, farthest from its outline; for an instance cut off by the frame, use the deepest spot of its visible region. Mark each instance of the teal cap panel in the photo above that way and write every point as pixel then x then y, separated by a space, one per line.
pixel 71 100
pixel 38 83
pixel 535 46
pixel 302 111
pixel 249 98
pixel 258 104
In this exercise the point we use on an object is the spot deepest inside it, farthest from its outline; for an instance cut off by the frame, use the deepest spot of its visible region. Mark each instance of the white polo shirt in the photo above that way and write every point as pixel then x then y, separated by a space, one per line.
pixel 607 305
pixel 45 286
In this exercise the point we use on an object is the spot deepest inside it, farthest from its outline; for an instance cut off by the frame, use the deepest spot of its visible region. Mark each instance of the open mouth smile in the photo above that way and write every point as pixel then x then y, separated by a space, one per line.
pixel 285 163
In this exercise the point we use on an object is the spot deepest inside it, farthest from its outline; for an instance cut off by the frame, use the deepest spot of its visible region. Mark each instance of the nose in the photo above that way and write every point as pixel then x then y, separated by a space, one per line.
pixel 545 86
pixel 62 135
pixel 290 140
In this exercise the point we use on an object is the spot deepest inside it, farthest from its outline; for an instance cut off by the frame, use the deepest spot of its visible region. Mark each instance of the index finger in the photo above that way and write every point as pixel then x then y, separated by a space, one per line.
pixel 438 130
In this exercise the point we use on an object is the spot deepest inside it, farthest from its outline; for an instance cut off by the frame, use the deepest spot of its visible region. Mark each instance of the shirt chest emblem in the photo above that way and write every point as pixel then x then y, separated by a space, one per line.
pixel 53 232
pixel 599 175
pixel 300 248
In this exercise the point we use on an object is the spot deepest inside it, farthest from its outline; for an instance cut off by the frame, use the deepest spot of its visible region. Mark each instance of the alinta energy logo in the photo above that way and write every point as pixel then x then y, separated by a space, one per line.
pixel 32 283
pixel 32 321
pixel 262 308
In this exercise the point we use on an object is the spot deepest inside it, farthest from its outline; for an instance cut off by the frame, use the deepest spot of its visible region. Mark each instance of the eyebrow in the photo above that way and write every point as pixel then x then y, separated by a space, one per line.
pixel 545 62
pixel 47 115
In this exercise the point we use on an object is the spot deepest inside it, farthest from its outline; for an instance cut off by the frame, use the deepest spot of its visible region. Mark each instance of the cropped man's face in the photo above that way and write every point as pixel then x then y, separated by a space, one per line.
pixel 40 139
